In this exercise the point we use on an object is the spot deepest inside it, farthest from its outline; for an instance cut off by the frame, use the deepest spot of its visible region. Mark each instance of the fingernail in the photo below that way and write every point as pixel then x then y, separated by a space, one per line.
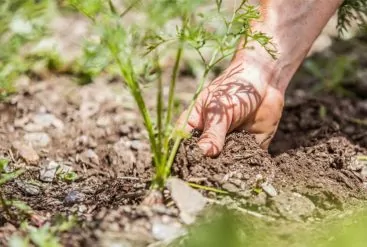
pixel 205 147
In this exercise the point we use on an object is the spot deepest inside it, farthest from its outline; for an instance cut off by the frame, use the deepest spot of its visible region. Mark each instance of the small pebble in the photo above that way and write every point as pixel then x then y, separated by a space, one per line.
pixel 27 188
pixel 269 189
pixel 37 139
pixel 231 188
pixel 89 156
pixel 48 172
pixel 74 197
pixel 136 145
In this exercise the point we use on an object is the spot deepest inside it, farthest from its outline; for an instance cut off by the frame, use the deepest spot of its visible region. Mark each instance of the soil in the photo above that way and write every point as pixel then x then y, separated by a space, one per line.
pixel 98 134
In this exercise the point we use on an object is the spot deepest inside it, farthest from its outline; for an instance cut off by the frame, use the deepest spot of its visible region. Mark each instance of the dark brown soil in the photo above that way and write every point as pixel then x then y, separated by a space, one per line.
pixel 311 156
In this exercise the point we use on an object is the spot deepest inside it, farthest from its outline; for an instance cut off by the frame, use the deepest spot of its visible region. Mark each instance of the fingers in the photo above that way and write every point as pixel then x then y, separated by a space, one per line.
pixel 195 120
pixel 266 119
pixel 217 117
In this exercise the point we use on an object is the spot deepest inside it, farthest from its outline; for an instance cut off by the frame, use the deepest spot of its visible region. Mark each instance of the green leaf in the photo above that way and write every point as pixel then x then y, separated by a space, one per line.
pixel 3 164
pixel 4 178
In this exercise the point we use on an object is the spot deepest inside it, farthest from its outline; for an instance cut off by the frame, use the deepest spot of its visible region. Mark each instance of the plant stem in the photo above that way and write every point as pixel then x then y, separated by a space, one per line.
pixel 159 109
pixel 198 186
pixel 172 85
pixel 134 87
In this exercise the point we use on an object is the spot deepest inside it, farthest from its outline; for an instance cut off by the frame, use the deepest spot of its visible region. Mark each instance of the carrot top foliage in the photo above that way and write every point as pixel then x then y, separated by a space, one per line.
pixel 140 35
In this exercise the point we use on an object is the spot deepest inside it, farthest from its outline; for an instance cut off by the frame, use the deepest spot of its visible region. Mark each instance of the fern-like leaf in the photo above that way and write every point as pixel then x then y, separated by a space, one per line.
pixel 349 11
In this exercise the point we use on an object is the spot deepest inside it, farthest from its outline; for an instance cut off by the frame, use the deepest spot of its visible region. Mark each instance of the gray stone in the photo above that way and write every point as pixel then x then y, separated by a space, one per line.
pixel 89 156
pixel 136 145
pixel 231 187
pixel 46 120
pixel 269 189
pixel 74 197
pixel 293 206
pixel 37 139
pixel 48 172
pixel 27 188
pixel 187 199
pixel 26 152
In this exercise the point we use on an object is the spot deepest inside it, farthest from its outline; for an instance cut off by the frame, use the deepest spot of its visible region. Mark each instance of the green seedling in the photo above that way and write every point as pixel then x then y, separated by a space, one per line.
pixel 68 176
pixel 45 236
pixel 140 48
pixel 5 203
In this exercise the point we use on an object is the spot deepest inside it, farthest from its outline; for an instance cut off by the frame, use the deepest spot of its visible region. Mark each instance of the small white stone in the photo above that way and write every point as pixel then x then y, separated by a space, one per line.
pixel 269 189
pixel 48 172
pixel 187 199
pixel 37 139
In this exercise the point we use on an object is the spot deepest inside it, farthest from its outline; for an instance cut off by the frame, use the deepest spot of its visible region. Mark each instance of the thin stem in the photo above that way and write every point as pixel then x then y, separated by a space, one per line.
pixel 159 109
pixel 136 92
pixel 201 187
pixel 172 85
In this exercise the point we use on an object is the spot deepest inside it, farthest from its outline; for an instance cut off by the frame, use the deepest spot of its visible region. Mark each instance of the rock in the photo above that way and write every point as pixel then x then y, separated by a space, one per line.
pixel 27 188
pixel 74 197
pixel 293 206
pixel 86 141
pixel 48 172
pixel 37 139
pixel 125 129
pixel 88 109
pixel 166 232
pixel 89 156
pixel 46 120
pixel 26 152
pixel 269 189
pixel 187 199
pixel 136 145
pixel 231 187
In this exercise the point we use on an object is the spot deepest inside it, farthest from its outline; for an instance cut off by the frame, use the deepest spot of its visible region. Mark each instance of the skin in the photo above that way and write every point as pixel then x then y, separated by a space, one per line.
pixel 250 92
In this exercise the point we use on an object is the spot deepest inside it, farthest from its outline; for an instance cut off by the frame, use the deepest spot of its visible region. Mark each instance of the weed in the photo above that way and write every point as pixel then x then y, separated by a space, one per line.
pixel 5 177
pixel 69 176
pixel 139 50
pixel 45 236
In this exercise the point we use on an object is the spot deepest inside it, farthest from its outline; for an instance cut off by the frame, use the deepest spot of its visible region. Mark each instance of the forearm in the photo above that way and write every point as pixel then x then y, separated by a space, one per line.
pixel 293 25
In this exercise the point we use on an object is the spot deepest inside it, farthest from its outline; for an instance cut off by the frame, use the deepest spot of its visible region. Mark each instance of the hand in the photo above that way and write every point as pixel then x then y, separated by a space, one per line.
pixel 239 99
